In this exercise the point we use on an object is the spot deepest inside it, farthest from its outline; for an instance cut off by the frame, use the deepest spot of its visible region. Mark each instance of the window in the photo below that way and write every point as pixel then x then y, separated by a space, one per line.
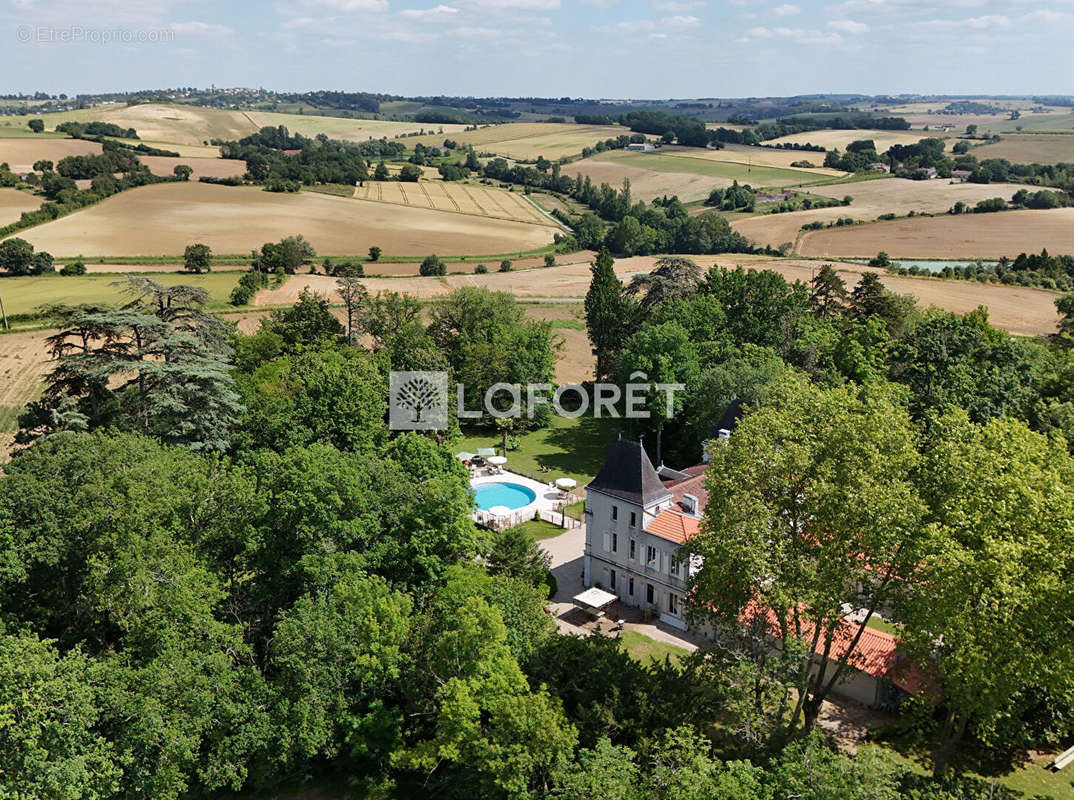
pixel 615 542
pixel 633 519
pixel 611 579
pixel 633 549
pixel 615 512
pixel 649 594
pixel 674 568
pixel 673 604
pixel 651 557
pixel 630 586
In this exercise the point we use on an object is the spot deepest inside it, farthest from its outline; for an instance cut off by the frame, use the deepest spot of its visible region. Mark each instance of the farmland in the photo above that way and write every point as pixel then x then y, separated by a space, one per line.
pixel 193 125
pixel 456 197
pixel 528 140
pixel 1030 148
pixel 20 154
pixel 1029 312
pixel 833 140
pixel 23 361
pixel 965 236
pixel 160 220
pixel 13 203
pixel 203 167
pixel 689 174
pixel 871 199
pixel 24 295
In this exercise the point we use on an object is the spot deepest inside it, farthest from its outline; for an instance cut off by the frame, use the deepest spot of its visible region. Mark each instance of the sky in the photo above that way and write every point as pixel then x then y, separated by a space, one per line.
pixel 548 48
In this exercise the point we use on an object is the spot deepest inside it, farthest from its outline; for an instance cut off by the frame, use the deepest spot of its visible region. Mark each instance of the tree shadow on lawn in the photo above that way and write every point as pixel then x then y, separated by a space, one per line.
pixel 581 447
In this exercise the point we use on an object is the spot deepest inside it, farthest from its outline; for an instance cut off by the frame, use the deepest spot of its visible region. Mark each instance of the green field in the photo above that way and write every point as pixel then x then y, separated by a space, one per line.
pixel 1033 123
pixel 13 132
pixel 23 295
pixel 753 175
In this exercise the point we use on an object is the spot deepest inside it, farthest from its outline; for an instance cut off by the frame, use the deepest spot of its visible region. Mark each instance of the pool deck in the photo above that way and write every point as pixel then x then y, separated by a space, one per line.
pixel 547 495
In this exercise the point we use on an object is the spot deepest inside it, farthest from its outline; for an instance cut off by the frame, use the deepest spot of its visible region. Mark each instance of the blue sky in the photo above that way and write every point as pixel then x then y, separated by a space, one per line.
pixel 590 48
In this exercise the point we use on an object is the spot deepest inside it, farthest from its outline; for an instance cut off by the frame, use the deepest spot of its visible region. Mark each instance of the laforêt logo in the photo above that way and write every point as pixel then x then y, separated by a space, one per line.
pixel 418 401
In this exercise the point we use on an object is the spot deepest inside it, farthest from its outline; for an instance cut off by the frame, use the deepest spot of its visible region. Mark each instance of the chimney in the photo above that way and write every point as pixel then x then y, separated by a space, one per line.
pixel 689 504
pixel 723 434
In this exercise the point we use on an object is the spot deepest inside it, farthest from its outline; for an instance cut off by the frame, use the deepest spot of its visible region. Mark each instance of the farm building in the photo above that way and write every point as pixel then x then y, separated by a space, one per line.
pixel 961 174
pixel 640 146
pixel 879 166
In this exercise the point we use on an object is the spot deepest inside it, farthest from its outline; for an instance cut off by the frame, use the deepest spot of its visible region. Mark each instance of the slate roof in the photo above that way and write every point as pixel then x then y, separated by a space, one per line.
pixel 629 475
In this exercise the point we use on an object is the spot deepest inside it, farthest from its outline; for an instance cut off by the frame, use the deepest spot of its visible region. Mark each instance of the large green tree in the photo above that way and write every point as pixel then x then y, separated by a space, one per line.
pixel 810 508
pixel 993 592
pixel 606 313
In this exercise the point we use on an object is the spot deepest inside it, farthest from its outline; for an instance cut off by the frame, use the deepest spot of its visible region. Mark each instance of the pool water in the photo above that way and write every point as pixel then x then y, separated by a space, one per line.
pixel 511 495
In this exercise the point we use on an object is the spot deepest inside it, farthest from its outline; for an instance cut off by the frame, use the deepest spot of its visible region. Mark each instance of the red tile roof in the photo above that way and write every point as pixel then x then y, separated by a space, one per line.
pixel 876 653
pixel 694 485
pixel 674 526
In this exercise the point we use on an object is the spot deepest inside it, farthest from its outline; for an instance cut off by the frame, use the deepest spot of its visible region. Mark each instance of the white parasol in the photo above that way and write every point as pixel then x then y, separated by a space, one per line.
pixel 496 461
pixel 566 484
pixel 500 511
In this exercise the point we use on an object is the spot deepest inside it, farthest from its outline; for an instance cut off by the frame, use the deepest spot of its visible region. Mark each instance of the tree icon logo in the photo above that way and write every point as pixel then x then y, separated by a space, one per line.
pixel 418 400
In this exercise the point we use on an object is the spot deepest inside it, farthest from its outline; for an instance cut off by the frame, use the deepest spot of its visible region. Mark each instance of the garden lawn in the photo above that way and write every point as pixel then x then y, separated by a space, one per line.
pixel 642 648
pixel 569 448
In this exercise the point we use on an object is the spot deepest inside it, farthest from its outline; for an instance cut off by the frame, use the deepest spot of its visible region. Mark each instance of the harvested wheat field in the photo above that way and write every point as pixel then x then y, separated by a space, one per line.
pixel 161 220
pixel 966 236
pixel 645 184
pixel 203 167
pixel 838 140
pixel 871 199
pixel 1018 310
pixel 456 197
pixel 23 361
pixel 528 140
pixel 759 157
pixel 1030 148
pixel 13 203
pixel 195 125
pixel 20 154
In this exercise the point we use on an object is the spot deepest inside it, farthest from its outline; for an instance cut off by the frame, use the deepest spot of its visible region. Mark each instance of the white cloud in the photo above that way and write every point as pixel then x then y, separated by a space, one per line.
pixel 989 21
pixel 654 27
pixel 1049 16
pixel 786 10
pixel 678 6
pixel 437 12
pixel 848 26
pixel 195 28
pixel 798 35
pixel 602 3
pixel 513 5
pixel 348 5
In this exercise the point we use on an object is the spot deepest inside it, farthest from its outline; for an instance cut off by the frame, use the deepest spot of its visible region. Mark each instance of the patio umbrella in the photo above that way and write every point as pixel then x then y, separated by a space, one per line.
pixel 497 461
pixel 464 456
pixel 566 484
pixel 485 452
pixel 500 511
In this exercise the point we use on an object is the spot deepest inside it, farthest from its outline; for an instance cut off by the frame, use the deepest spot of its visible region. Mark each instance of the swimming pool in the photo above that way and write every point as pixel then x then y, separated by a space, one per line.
pixel 512 495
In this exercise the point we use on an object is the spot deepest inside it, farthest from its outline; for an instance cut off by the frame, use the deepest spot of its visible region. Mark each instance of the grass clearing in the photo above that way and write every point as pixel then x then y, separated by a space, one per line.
pixel 203 167
pixel 25 294
pixel 161 220
pixel 642 648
